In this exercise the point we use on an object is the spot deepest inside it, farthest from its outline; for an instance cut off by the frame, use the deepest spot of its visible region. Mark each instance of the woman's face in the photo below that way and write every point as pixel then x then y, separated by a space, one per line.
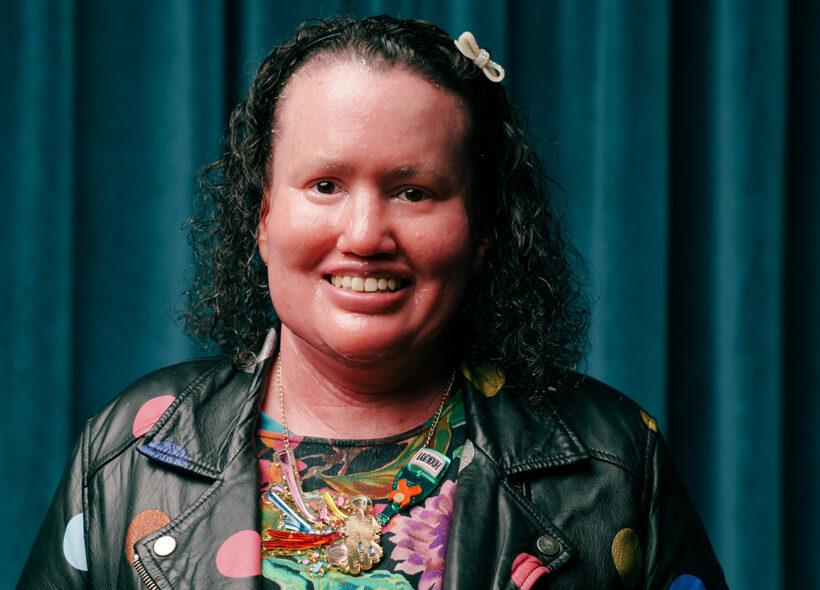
pixel 366 231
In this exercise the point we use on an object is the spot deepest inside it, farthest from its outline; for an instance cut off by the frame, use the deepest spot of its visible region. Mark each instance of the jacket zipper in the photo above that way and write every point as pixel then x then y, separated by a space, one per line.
pixel 143 573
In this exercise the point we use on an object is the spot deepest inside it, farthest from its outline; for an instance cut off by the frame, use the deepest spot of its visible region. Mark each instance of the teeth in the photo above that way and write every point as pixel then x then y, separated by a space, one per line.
pixel 365 284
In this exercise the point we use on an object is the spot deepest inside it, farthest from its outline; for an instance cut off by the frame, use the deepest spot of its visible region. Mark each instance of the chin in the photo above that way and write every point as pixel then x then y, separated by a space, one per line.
pixel 372 352
pixel 361 341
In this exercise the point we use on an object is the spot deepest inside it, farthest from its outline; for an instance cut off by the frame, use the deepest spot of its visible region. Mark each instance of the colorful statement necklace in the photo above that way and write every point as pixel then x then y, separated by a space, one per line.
pixel 325 529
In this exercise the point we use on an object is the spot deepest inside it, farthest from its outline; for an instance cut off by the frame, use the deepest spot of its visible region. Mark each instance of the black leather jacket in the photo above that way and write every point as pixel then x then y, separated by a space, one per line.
pixel 552 498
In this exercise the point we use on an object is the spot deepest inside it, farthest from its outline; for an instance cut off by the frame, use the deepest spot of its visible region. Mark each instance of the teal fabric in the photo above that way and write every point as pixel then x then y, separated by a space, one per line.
pixel 685 136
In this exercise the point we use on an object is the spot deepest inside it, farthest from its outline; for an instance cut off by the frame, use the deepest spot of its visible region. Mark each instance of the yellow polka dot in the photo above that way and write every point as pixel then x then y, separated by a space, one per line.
pixel 626 553
pixel 486 377
pixel 649 421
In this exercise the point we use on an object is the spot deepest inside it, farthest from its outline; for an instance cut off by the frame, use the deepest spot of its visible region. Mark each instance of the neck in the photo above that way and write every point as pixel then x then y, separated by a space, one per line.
pixel 329 397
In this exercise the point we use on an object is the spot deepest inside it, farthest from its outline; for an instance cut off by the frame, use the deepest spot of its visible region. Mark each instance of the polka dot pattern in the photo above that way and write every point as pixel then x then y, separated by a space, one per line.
pixel 264 473
pixel 240 556
pixel 167 452
pixel 527 570
pixel 142 525
pixel 488 377
pixel 649 421
pixel 626 553
pixel 149 413
pixel 74 543
pixel 687 582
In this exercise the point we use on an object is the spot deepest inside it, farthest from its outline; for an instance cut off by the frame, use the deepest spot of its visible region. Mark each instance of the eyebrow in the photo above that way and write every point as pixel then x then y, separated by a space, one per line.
pixel 405 172
pixel 439 177
pixel 330 164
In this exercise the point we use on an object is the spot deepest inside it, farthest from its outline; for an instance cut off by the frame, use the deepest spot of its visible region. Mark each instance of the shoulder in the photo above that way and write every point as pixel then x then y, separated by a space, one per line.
pixel 175 377
pixel 586 420
pixel 131 414
pixel 610 425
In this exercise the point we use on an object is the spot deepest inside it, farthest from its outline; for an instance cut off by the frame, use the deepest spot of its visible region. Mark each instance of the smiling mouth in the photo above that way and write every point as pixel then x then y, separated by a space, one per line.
pixel 366 284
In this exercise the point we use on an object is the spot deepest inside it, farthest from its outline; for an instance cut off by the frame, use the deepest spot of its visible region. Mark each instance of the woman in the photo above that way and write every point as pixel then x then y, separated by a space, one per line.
pixel 400 320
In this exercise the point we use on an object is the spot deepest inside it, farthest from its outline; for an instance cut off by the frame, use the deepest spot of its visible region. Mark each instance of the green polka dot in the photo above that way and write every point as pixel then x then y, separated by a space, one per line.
pixel 626 553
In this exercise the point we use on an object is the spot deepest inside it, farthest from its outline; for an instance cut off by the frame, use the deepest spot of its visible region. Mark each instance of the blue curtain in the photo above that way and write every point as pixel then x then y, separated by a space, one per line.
pixel 686 137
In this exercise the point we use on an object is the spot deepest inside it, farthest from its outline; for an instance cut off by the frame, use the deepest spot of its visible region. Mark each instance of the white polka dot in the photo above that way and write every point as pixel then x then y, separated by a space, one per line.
pixel 74 543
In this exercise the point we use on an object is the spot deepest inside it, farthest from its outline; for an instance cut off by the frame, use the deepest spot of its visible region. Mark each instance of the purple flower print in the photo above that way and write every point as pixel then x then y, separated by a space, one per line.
pixel 420 537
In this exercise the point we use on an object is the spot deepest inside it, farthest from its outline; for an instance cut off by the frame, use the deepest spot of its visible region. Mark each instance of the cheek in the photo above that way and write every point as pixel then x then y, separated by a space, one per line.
pixel 298 237
pixel 445 249
pixel 297 244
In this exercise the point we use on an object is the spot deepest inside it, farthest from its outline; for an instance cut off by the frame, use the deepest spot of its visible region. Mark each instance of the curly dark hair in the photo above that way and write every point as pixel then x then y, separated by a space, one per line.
pixel 526 312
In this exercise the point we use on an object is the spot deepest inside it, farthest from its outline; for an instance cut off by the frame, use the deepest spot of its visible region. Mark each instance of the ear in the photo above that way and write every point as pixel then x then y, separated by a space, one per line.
pixel 478 256
pixel 262 228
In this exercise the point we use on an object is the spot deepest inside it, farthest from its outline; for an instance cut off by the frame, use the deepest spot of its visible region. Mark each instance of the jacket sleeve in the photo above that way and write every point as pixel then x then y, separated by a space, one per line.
pixel 58 559
pixel 678 554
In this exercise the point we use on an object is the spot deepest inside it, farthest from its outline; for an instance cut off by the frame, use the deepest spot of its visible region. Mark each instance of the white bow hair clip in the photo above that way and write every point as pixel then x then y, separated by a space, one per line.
pixel 467 45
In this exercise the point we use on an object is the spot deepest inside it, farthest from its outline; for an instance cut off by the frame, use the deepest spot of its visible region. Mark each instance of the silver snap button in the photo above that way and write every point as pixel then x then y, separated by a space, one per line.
pixel 547 545
pixel 164 546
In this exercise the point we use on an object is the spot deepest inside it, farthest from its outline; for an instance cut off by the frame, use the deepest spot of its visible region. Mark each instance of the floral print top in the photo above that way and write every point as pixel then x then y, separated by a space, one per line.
pixel 414 541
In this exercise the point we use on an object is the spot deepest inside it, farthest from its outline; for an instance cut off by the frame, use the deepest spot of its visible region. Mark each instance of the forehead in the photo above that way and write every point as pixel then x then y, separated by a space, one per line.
pixel 361 89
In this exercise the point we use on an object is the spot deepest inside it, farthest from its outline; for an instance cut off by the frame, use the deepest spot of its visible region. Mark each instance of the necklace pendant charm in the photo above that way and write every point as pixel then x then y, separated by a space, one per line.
pixel 319 529
pixel 290 472
pixel 415 481
pixel 359 547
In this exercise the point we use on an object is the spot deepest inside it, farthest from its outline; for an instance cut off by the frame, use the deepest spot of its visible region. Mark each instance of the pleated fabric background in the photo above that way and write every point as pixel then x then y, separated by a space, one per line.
pixel 684 133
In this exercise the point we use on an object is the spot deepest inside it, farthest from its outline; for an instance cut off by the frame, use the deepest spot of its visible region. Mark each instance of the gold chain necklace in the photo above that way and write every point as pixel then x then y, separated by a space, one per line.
pixel 281 393
pixel 322 531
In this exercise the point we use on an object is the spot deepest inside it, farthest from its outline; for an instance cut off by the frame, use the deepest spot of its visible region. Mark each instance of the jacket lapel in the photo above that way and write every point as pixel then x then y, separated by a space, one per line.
pixel 208 434
pixel 498 537
pixel 208 423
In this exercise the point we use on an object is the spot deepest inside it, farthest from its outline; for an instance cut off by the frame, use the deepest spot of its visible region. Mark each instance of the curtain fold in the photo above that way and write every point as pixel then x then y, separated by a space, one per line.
pixel 799 445
pixel 727 294
pixel 37 258
pixel 684 139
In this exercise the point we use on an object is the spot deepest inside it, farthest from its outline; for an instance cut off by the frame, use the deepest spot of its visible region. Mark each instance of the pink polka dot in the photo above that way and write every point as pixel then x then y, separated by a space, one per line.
pixel 240 556
pixel 149 413
pixel 264 472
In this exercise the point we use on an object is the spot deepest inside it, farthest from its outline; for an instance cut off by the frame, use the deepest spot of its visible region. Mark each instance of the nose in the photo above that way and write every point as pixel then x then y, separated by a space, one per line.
pixel 366 228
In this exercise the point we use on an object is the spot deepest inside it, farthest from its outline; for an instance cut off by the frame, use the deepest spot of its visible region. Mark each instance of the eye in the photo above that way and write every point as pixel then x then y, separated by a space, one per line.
pixel 326 187
pixel 413 195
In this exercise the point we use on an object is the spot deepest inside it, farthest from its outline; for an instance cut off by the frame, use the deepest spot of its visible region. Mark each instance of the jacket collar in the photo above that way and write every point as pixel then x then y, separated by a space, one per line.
pixel 216 414
pixel 213 418
pixel 519 436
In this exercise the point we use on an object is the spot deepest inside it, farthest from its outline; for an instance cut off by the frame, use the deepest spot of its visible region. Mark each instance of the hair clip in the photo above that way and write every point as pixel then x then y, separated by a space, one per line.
pixel 467 45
